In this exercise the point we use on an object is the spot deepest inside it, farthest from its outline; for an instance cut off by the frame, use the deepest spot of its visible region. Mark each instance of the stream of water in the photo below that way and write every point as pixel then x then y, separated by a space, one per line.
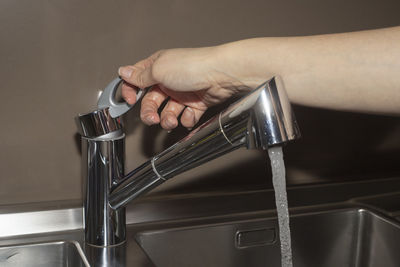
pixel 279 182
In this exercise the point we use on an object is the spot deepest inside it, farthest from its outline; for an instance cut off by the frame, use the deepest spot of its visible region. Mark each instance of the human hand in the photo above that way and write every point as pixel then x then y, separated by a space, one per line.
pixel 193 79
pixel 311 66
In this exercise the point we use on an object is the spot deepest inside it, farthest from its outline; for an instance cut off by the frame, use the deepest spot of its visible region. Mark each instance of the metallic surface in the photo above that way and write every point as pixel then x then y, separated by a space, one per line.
pixel 52 254
pixel 107 99
pixel 260 119
pixel 40 221
pixel 205 212
pixel 346 238
pixel 323 236
pixel 102 166
pixel 263 118
pixel 134 184
pixel 45 218
pixel 97 123
pixel 107 256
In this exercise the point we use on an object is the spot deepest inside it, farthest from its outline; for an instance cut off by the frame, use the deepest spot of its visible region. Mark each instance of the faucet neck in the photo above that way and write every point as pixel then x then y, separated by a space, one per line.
pixel 260 119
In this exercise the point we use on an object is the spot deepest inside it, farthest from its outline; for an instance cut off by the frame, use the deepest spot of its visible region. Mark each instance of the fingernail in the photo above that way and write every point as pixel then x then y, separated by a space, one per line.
pixel 125 72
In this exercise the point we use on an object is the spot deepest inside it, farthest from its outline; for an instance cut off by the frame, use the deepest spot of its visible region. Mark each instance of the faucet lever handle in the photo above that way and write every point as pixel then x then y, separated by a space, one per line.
pixel 107 99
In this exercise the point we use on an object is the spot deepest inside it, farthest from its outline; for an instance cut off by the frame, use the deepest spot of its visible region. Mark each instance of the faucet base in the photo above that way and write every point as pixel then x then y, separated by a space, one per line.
pixel 103 166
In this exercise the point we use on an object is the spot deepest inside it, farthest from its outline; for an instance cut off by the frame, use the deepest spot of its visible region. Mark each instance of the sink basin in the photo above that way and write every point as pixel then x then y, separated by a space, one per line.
pixel 345 238
pixel 52 254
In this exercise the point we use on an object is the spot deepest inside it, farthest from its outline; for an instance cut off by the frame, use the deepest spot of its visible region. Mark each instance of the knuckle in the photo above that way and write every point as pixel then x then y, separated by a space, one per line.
pixel 140 81
pixel 156 72
pixel 134 75
pixel 159 64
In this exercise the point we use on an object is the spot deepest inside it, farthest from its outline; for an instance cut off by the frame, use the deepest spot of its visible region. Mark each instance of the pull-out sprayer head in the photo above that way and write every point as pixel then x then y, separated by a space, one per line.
pixel 261 119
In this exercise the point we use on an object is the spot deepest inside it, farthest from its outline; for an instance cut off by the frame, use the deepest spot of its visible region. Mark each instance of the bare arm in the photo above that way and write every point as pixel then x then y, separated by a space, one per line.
pixel 358 71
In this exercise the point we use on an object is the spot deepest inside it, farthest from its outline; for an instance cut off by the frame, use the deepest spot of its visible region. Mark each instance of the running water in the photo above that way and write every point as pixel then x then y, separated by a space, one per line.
pixel 279 182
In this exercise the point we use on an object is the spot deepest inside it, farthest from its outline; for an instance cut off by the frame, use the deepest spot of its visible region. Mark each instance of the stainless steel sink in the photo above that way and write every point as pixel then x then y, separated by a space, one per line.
pixel 52 254
pixel 350 237
pixel 221 229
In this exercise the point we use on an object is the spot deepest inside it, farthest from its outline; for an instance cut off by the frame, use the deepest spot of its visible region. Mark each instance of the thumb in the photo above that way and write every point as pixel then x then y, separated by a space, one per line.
pixel 139 74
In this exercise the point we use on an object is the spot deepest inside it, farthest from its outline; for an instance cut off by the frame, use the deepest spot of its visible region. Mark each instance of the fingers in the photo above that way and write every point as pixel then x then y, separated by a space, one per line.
pixel 170 114
pixel 141 75
pixel 151 102
pixel 129 93
pixel 191 116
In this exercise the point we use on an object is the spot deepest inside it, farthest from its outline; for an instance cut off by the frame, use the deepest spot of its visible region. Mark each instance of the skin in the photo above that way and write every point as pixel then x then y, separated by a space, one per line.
pixel 357 71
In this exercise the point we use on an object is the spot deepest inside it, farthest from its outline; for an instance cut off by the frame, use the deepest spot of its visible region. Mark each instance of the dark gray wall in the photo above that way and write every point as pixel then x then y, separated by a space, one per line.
pixel 57 55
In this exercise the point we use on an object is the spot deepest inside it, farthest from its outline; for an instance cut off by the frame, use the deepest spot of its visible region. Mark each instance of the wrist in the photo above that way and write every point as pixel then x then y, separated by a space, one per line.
pixel 249 60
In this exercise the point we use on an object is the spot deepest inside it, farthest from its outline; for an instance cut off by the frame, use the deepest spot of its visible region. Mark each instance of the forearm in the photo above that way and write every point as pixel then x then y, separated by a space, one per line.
pixel 357 71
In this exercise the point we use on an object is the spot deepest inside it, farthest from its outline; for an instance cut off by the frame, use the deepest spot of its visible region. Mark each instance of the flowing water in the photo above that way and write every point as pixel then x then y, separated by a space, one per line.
pixel 279 182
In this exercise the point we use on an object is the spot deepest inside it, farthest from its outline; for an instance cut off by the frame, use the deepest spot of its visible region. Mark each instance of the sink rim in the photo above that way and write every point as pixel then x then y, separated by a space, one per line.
pixel 74 243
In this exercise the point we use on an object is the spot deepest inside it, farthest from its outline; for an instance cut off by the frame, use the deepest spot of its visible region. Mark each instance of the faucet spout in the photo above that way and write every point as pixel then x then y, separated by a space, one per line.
pixel 261 119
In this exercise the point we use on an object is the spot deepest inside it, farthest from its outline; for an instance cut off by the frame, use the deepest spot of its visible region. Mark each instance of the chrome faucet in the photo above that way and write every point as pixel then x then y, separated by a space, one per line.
pixel 261 119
